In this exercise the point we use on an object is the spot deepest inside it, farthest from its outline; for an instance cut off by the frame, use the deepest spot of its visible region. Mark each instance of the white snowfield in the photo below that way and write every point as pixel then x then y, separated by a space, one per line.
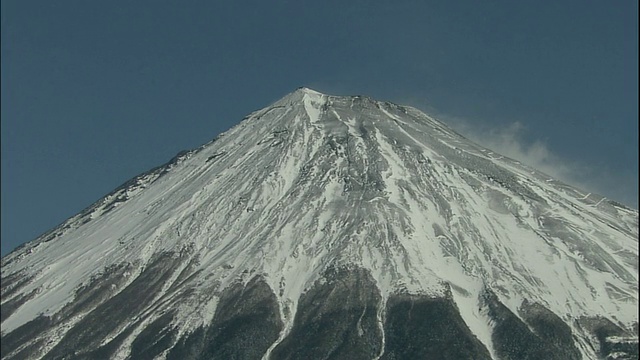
pixel 315 180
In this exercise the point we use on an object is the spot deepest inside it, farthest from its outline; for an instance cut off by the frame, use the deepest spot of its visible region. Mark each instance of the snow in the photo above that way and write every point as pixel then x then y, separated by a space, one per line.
pixel 268 197
pixel 310 101
pixel 468 304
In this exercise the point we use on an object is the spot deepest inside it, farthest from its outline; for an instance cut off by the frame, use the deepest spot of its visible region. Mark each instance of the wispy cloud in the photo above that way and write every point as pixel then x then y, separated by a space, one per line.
pixel 514 140
pixel 511 140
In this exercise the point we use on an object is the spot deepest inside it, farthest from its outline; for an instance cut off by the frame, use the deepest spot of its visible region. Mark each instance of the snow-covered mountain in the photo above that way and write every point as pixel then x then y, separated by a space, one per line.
pixel 329 227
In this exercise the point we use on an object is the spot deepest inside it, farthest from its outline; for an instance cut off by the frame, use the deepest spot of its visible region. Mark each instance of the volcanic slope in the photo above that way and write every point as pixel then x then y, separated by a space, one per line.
pixel 331 227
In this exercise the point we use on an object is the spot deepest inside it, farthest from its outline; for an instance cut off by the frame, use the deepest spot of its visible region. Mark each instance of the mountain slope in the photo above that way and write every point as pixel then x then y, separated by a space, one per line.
pixel 331 227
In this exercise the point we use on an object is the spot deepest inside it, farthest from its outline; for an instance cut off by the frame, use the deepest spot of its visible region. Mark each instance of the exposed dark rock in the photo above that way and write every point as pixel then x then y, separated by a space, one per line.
pixel 22 336
pixel 14 304
pixel 99 289
pixel 30 351
pixel 13 283
pixel 187 274
pixel 154 339
pixel 189 347
pixel 116 312
pixel 335 319
pixel 514 340
pixel 551 329
pixel 87 298
pixel 247 321
pixel 215 156
pixel 420 327
pixel 108 350
pixel 612 339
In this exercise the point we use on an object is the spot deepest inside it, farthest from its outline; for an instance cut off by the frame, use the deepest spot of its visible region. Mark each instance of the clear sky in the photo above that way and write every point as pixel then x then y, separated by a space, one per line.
pixel 95 92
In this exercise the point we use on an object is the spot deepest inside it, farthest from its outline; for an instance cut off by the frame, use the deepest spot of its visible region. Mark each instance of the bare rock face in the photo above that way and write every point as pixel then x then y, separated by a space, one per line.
pixel 407 335
pixel 338 317
pixel 537 334
pixel 247 321
pixel 329 227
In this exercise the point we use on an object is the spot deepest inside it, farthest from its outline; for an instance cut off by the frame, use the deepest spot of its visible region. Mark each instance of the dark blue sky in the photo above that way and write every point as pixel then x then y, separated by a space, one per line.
pixel 94 93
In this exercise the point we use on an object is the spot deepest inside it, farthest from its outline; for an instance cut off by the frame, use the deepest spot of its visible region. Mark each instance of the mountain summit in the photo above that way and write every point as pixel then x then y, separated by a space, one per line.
pixel 331 227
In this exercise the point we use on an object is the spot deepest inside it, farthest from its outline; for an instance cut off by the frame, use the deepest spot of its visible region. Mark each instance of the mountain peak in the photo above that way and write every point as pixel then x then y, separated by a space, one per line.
pixel 307 90
pixel 366 207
